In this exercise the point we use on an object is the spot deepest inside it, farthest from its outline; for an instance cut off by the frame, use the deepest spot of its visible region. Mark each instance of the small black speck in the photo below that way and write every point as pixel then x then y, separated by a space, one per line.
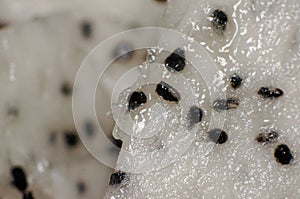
pixel 28 195
pixel 81 187
pixel 3 25
pixel 235 81
pixel 89 128
pixel 176 61
pixel 270 92
pixel 117 178
pixel 219 20
pixel 13 111
pixel 66 89
pixel 195 115
pixel 52 137
pixel 283 154
pixel 86 29
pixel 218 136
pixel 267 137
pixel 19 178
pixel 71 138
pixel 167 92
pixel 226 104
pixel 136 99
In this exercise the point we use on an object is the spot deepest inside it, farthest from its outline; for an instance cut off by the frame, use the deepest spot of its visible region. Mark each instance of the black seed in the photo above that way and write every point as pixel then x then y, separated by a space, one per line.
pixel 167 92
pixel 283 154
pixel 117 142
pixel 13 111
pixel 28 195
pixel 267 137
pixel 162 1
pixel 52 137
pixel 195 115
pixel 176 61
pixel 19 178
pixel 71 138
pixel 161 146
pixel 235 81
pixel 89 128
pixel 136 99
pixel 219 20
pixel 270 92
pixel 226 104
pixel 117 178
pixel 86 29
pixel 3 25
pixel 218 136
pixel 81 187
pixel 66 89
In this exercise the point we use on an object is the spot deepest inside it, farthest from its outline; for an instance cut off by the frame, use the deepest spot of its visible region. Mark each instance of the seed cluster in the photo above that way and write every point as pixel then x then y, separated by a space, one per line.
pixel 176 62
pixel 282 152
pixel 70 140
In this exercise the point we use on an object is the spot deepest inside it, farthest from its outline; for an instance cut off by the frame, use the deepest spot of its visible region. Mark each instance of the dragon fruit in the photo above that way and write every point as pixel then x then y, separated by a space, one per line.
pixel 42 46
pixel 255 45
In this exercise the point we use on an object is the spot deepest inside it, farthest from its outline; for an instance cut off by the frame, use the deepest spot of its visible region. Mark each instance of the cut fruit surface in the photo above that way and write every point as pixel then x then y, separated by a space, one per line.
pixel 260 45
